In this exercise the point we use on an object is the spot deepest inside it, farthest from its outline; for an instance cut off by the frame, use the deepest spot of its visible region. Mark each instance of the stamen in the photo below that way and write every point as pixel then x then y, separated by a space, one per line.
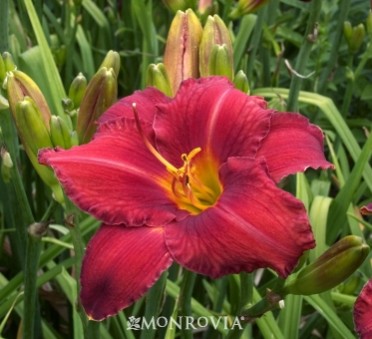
pixel 187 188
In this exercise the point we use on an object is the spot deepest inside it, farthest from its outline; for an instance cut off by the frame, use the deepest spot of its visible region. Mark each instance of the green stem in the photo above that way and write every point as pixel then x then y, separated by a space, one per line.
pixel 30 314
pixel 4 25
pixel 336 40
pixel 31 325
pixel 304 54
pixel 187 286
pixel 255 43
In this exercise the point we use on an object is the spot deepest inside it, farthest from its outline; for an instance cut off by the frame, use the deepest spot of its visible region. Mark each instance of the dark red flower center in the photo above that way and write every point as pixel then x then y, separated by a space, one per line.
pixel 195 186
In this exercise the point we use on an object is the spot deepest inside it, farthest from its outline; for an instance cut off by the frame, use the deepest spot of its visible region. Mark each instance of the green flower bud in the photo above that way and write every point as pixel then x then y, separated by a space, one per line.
pixel 19 85
pixel 34 135
pixel 348 31
pixel 245 7
pixel 31 127
pixel 112 60
pixel 354 36
pixel 77 89
pixel 181 56
pixel 219 62
pixel 241 82
pixel 278 103
pixel 215 33
pixel 4 104
pixel 60 133
pixel 330 269
pixel 100 94
pixel 2 69
pixel 6 165
pixel 9 62
pixel 158 78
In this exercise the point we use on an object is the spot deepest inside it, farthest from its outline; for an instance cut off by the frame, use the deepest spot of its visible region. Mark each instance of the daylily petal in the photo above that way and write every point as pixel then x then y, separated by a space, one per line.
pixel 211 114
pixel 119 266
pixel 145 100
pixel 293 145
pixel 114 177
pixel 253 225
pixel 363 312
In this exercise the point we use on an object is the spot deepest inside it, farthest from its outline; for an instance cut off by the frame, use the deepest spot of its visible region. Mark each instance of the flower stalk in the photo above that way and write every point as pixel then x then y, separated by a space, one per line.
pixel 304 53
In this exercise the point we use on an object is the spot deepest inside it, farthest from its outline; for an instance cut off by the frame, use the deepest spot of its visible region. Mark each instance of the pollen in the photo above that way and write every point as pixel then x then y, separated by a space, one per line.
pixel 195 186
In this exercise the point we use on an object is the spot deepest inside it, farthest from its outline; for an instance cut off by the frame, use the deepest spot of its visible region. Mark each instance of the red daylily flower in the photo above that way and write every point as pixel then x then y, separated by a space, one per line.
pixel 363 312
pixel 192 180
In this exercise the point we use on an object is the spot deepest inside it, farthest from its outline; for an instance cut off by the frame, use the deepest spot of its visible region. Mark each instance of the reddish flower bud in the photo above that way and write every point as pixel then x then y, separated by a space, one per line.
pixel 367 209
pixel 330 269
pixel 100 94
pixel 246 6
pixel 181 56
pixel 19 85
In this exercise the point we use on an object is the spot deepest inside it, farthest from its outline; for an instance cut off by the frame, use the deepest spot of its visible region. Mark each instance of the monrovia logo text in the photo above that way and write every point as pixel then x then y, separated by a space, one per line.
pixel 184 322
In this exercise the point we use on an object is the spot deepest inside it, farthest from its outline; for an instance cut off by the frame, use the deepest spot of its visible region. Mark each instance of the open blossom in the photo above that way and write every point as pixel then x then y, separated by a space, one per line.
pixel 363 312
pixel 190 180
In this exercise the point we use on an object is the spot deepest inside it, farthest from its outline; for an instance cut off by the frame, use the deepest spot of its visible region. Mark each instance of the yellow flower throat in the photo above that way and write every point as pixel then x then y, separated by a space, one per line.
pixel 195 186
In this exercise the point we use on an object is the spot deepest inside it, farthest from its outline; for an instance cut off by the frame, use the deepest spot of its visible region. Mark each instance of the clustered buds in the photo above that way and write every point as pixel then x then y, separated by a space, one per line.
pixel 192 51
pixel 330 269
pixel 37 128
pixel 354 36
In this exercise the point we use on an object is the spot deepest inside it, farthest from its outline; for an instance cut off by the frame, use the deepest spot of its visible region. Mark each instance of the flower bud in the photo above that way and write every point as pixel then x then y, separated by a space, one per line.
pixel 215 32
pixel 60 133
pixel 205 6
pixel 34 135
pixel 158 78
pixel 100 94
pixel 77 90
pixel 278 103
pixel 6 165
pixel 4 104
pixel 181 56
pixel 112 60
pixel 38 229
pixel 354 36
pixel 19 85
pixel 179 5
pixel 241 82
pixel 2 69
pixel 245 7
pixel 367 209
pixel 31 127
pixel 9 62
pixel 220 62
pixel 369 23
pixel 330 269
